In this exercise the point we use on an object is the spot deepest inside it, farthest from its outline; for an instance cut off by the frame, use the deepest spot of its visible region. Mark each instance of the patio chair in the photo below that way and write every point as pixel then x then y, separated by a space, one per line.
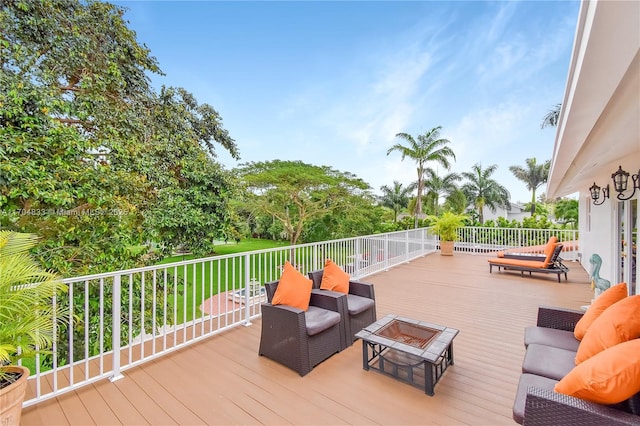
pixel 552 264
pixel 530 252
pixel 361 305
pixel 301 339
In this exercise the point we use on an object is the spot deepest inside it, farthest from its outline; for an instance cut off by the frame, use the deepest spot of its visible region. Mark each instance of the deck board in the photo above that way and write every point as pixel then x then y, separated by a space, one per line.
pixel 222 380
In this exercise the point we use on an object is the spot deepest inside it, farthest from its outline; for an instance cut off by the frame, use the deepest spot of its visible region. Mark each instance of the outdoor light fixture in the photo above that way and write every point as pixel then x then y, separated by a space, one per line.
pixel 595 194
pixel 621 181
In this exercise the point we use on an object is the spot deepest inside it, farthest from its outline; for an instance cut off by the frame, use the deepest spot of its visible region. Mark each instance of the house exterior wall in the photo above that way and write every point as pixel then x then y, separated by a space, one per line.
pixel 515 213
pixel 598 128
pixel 596 228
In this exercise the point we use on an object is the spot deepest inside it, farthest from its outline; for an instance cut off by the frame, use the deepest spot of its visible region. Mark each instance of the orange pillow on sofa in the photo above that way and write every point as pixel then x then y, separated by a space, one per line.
pixel 606 299
pixel 609 377
pixel 334 278
pixel 619 323
pixel 294 289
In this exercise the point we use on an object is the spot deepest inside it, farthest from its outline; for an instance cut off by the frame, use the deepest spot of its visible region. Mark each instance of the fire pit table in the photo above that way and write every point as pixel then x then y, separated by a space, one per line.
pixel 414 352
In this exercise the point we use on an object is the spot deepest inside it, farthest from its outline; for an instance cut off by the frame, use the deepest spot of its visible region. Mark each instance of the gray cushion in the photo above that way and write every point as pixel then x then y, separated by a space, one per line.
pixel 358 304
pixel 548 361
pixel 527 380
pixel 551 337
pixel 318 319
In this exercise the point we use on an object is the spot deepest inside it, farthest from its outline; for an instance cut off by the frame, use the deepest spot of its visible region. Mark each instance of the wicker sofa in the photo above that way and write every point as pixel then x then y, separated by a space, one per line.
pixel 551 348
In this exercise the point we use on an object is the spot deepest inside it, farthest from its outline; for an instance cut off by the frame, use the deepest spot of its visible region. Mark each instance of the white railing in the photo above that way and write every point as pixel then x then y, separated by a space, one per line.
pixel 128 317
pixel 125 318
pixel 486 240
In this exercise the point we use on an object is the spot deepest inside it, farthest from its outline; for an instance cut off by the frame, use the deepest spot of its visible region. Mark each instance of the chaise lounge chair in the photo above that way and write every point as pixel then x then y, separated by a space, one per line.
pixel 552 264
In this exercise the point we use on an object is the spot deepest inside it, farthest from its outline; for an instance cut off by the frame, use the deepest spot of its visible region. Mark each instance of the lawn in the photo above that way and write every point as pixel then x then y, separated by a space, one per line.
pixel 201 281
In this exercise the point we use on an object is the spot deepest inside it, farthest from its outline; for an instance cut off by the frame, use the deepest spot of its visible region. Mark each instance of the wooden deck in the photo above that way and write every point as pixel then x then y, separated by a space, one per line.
pixel 223 381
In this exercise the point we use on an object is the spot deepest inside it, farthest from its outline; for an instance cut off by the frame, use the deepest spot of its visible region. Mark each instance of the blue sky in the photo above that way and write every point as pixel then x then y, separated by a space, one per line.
pixel 332 83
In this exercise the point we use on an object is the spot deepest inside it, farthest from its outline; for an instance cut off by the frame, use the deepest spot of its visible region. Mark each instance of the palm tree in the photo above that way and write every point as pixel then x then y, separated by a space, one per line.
pixel 551 119
pixel 484 191
pixel 437 186
pixel 429 147
pixel 533 176
pixel 395 198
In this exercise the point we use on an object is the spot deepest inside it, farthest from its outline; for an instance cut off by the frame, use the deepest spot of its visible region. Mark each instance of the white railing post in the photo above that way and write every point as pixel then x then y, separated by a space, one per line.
pixel 116 309
pixel 356 257
pixel 247 290
pixel 386 252
pixel 406 246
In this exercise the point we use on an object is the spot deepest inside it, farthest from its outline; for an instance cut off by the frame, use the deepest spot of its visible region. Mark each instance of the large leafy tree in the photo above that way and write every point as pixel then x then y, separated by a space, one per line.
pixel 295 193
pixel 533 175
pixel 437 186
pixel 483 191
pixel 74 82
pixel 396 197
pixel 429 147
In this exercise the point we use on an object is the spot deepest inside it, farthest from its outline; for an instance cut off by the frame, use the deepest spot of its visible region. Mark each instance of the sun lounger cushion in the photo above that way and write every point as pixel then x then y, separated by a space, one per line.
pixel 609 377
pixel 517 262
pixel 619 323
pixel 294 289
pixel 562 339
pixel 547 361
pixel 608 297
pixel 533 264
pixel 334 278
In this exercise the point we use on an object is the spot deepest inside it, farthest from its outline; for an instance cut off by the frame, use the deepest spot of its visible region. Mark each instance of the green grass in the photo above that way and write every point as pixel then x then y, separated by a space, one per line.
pixel 249 244
pixel 229 271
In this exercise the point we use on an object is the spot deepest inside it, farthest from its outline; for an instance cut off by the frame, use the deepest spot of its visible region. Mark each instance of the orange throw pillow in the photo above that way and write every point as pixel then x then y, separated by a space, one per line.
pixel 334 278
pixel 609 377
pixel 294 289
pixel 619 323
pixel 606 299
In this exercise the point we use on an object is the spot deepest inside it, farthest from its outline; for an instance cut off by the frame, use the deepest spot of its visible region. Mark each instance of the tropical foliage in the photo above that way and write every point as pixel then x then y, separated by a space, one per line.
pixel 437 186
pixel 294 194
pixel 396 198
pixel 552 117
pixel 429 147
pixel 482 190
pixel 566 211
pixel 533 175
pixel 26 310
pixel 93 158
pixel 446 226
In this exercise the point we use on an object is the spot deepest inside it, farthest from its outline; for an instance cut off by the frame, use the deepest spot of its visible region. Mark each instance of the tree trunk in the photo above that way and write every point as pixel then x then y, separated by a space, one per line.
pixel 533 203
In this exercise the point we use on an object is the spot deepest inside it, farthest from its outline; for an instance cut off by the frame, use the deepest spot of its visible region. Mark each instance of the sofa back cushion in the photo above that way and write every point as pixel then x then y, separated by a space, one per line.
pixel 294 289
pixel 334 278
pixel 610 296
pixel 618 323
pixel 609 377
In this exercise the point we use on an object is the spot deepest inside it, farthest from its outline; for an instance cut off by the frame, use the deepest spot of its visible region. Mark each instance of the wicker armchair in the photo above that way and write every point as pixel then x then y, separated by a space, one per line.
pixel 302 339
pixel 361 306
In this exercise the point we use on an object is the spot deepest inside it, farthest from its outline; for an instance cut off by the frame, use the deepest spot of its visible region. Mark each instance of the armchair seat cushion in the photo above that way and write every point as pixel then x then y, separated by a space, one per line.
pixel 562 339
pixel 358 304
pixel 547 361
pixel 526 381
pixel 318 320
